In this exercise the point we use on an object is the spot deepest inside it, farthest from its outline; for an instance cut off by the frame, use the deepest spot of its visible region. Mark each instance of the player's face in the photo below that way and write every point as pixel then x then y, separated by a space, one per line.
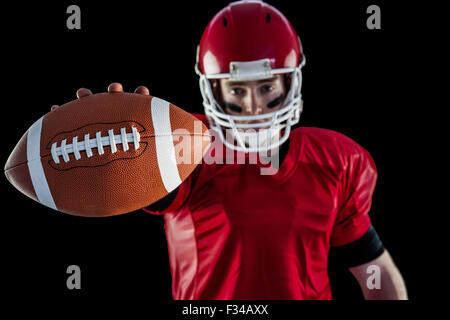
pixel 252 97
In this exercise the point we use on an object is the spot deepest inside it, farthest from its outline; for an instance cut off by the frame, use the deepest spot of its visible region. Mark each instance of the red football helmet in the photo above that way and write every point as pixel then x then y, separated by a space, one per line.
pixel 251 40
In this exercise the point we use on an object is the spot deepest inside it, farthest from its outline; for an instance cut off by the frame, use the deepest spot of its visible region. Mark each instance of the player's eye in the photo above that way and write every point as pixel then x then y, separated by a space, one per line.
pixel 267 88
pixel 237 91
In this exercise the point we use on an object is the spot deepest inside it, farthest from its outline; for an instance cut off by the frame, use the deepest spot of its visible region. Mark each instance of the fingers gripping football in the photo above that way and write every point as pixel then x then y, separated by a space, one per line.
pixel 114 87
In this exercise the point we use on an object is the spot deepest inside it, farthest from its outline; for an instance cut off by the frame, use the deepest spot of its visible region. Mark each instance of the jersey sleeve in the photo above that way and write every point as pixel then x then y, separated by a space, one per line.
pixel 358 185
pixel 184 188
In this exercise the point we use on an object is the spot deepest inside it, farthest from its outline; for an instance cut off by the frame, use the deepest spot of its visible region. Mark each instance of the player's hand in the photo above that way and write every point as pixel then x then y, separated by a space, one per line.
pixel 114 87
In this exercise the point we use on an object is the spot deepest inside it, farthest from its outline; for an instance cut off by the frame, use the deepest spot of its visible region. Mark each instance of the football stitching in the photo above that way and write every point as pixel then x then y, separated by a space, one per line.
pixel 98 143
pixel 48 146
pixel 50 162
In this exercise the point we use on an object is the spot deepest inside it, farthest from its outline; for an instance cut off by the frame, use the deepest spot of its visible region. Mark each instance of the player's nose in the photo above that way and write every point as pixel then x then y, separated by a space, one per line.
pixel 253 106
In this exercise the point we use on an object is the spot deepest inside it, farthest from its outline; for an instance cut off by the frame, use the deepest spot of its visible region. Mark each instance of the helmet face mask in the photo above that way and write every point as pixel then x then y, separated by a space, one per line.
pixel 227 53
pixel 271 130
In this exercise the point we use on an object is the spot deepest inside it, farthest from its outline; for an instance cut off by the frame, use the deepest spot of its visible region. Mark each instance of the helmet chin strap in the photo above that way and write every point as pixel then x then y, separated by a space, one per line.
pixel 263 138
pixel 256 139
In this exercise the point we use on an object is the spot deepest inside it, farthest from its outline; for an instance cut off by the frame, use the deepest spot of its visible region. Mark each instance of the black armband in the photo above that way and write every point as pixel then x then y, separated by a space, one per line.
pixel 363 250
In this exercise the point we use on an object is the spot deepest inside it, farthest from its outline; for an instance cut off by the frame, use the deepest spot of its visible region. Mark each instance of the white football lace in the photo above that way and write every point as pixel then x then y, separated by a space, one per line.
pixel 98 142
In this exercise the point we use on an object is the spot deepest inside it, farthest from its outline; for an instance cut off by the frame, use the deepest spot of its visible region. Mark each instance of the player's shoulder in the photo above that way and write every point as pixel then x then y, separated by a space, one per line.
pixel 326 146
pixel 326 138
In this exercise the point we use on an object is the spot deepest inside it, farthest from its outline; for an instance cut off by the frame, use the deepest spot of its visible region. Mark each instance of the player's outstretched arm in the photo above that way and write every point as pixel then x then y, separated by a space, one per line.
pixel 391 285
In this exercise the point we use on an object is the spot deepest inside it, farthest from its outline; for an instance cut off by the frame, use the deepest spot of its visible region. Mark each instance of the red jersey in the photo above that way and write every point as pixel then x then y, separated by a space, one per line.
pixel 233 233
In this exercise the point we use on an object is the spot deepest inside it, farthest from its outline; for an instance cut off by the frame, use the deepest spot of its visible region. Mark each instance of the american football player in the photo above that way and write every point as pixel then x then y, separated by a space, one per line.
pixel 234 233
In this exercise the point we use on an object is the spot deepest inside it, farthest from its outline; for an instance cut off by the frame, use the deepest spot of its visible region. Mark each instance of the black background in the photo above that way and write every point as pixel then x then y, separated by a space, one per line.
pixel 356 81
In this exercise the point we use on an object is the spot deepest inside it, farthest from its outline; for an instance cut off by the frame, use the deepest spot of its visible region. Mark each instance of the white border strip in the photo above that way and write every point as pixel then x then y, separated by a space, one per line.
pixel 35 168
pixel 165 149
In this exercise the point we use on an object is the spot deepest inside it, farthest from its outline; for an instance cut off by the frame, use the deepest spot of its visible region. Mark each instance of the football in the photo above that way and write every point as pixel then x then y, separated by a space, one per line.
pixel 107 154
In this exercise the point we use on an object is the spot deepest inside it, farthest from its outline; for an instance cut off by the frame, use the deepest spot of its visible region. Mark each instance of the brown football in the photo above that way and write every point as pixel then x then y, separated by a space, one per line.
pixel 107 154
